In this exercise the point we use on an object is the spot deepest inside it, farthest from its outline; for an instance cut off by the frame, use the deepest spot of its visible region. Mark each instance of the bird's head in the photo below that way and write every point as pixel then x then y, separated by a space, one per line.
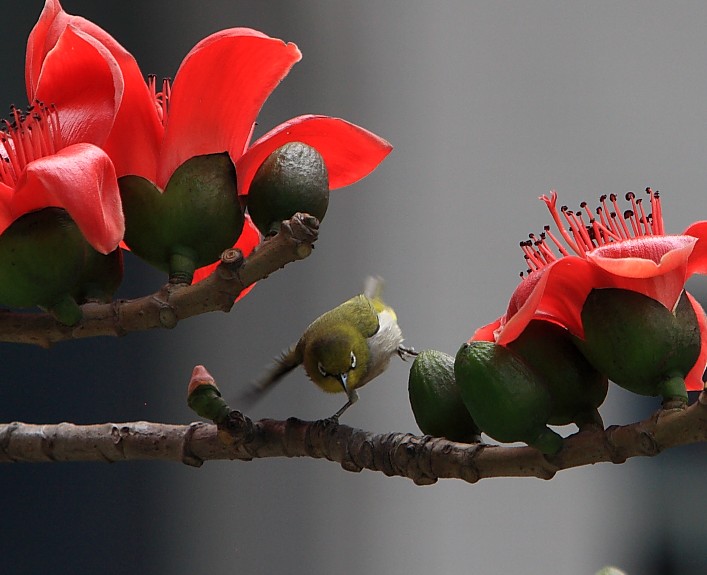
pixel 337 359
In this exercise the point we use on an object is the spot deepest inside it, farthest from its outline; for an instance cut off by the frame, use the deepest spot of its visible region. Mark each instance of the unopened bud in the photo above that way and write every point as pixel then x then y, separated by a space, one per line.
pixel 204 397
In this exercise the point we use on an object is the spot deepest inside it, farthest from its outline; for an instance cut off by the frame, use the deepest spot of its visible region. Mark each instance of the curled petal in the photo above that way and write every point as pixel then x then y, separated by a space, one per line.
pixel 694 379
pixel 697 264
pixel 81 179
pixel 83 81
pixel 655 266
pixel 644 257
pixel 217 94
pixel 487 332
pixel 137 112
pixel 349 151
pixel 556 293
pixel 43 37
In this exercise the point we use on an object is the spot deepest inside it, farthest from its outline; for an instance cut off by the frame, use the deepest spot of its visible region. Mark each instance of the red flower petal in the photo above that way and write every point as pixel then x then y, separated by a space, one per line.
pixel 51 23
pixel 6 215
pixel 135 140
pixel 697 263
pixel 218 92
pixel 81 179
pixel 487 332
pixel 137 113
pixel 349 151
pixel 555 293
pixel 655 266
pixel 644 257
pixel 80 77
pixel 694 379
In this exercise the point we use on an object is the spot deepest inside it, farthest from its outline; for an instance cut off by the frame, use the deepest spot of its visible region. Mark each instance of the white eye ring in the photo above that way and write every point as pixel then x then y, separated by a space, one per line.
pixel 353 360
pixel 321 369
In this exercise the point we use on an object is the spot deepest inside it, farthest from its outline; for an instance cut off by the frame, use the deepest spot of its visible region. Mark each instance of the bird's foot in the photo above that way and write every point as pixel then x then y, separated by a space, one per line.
pixel 405 352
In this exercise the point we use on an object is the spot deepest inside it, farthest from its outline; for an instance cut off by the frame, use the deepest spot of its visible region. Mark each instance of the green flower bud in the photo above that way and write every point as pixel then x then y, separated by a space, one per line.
pixel 292 179
pixel 639 343
pixel 204 396
pixel 191 223
pixel 506 398
pixel 576 388
pixel 435 399
pixel 41 256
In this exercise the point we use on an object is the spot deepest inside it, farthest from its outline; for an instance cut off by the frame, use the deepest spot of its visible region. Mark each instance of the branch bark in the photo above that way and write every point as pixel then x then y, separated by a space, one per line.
pixel 422 459
pixel 173 302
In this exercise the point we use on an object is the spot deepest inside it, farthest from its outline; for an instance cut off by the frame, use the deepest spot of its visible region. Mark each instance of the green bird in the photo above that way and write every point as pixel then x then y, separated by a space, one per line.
pixel 343 349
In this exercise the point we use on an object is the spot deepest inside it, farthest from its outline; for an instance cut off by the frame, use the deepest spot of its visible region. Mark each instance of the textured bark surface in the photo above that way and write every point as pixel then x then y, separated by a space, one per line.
pixel 422 459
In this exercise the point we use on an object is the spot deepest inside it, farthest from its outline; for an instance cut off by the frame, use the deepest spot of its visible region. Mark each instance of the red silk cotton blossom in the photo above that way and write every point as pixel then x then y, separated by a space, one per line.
pixel 211 107
pixel 610 251
pixel 51 155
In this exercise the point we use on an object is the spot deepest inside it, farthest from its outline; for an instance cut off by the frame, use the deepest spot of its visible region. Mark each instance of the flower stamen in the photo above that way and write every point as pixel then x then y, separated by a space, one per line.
pixel 657 214
pixel 162 98
pixel 26 138
pixel 584 235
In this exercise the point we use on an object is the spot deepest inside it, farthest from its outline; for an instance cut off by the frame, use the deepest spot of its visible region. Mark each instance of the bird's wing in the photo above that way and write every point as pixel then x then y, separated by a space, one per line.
pixel 282 365
pixel 363 312
pixel 373 290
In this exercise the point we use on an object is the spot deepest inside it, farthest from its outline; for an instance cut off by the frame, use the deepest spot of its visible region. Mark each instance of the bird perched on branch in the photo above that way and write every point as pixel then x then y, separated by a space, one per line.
pixel 343 349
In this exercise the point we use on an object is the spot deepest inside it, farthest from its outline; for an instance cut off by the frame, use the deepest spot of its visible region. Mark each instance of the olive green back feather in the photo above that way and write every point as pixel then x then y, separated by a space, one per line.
pixel 358 311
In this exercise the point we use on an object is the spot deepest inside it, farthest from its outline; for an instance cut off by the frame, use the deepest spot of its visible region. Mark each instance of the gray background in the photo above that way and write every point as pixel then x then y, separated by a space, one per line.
pixel 488 105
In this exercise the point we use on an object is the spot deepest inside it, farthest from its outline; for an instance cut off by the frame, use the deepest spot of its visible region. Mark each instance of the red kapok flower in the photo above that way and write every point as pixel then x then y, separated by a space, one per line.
pixel 50 155
pixel 629 251
pixel 211 107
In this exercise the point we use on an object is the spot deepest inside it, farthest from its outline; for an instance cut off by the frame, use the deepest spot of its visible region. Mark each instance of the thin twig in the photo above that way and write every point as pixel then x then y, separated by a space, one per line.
pixel 422 459
pixel 172 303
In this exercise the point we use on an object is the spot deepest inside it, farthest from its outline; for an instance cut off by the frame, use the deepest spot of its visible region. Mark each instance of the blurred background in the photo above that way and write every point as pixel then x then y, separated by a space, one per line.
pixel 489 105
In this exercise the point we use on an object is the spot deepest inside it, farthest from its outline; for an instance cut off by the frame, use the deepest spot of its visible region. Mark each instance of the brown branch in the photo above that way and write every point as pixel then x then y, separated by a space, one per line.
pixel 173 302
pixel 422 459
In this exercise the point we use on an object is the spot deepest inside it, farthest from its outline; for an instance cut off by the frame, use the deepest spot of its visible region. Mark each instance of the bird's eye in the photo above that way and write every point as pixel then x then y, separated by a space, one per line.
pixel 321 369
pixel 353 360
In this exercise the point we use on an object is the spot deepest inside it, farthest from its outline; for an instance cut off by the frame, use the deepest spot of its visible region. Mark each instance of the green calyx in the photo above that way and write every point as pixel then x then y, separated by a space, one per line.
pixel 436 401
pixel 639 343
pixel 191 223
pixel 505 397
pixel 576 388
pixel 42 256
pixel 292 179
pixel 206 401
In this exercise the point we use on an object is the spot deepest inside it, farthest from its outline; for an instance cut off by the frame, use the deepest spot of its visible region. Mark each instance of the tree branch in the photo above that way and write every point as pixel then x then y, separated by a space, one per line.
pixel 173 302
pixel 422 459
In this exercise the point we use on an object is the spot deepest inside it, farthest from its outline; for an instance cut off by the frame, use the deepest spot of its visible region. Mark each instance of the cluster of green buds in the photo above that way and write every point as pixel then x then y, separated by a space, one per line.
pixel 547 376
pixel 199 214
pixel 46 261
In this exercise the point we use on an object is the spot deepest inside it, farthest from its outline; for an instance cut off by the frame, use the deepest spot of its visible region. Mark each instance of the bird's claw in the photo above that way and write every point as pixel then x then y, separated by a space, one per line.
pixel 405 352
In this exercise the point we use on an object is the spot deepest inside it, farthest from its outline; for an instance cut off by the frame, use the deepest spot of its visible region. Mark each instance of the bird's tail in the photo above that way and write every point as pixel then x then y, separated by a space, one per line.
pixel 283 364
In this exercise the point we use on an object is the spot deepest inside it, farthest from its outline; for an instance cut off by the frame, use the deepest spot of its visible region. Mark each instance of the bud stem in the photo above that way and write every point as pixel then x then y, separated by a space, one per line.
pixel 673 388
pixel 66 311
pixel 181 266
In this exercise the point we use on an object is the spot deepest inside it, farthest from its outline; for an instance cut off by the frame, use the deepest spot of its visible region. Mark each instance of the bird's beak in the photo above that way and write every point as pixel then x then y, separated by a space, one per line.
pixel 342 380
